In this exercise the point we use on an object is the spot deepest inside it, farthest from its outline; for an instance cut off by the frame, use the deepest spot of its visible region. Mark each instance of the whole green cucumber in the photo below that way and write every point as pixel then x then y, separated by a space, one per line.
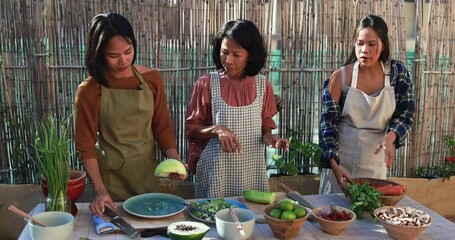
pixel 258 196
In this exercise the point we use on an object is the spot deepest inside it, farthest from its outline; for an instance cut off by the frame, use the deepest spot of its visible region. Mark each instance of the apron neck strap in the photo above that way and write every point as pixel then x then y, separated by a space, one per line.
pixel 355 75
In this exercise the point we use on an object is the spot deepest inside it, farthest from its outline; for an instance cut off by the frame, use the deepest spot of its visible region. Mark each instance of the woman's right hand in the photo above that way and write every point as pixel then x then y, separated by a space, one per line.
pixel 228 140
pixel 341 174
pixel 100 199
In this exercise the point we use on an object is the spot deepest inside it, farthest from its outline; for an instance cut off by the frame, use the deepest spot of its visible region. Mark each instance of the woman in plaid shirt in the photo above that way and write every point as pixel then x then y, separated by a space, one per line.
pixel 368 110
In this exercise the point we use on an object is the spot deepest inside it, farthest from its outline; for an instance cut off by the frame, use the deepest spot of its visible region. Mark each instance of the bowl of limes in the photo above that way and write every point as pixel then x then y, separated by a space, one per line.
pixel 285 218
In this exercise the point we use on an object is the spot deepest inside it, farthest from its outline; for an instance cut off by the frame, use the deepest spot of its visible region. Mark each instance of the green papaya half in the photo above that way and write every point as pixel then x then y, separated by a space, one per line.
pixel 187 230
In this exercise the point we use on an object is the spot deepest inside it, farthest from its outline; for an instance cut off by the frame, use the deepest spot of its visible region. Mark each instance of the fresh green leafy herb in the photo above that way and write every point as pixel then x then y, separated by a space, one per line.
pixel 211 206
pixel 364 198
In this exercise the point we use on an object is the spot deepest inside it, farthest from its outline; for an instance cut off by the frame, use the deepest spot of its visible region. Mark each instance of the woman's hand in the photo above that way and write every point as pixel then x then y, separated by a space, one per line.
pixel 341 175
pixel 178 177
pixel 274 141
pixel 387 144
pixel 100 199
pixel 228 140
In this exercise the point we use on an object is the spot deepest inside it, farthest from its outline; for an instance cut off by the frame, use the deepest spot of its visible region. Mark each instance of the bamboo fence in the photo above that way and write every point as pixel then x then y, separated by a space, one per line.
pixel 42 50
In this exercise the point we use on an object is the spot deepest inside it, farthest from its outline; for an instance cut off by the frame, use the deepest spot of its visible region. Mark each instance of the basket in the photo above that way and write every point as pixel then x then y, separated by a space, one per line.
pixel 284 229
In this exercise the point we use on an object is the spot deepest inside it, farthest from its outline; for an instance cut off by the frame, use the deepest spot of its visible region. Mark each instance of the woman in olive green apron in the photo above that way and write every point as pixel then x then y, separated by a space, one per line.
pixel 124 111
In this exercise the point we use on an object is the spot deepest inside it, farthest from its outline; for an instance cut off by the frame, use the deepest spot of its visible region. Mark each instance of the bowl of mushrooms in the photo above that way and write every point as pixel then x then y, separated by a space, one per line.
pixel 404 223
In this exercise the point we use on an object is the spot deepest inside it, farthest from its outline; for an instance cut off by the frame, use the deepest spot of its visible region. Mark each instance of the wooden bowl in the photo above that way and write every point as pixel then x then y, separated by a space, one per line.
pixel 333 227
pixel 397 231
pixel 284 229
pixel 386 200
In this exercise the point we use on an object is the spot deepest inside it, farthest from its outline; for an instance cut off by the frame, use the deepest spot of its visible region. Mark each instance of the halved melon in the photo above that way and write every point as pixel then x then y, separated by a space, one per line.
pixel 187 230
pixel 169 166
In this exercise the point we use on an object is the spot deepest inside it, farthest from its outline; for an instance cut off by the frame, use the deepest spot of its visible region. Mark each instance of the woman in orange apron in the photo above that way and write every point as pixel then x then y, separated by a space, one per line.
pixel 368 110
pixel 121 111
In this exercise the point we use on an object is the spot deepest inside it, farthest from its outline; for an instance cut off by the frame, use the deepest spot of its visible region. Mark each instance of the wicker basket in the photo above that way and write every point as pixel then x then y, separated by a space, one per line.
pixel 284 229
pixel 386 200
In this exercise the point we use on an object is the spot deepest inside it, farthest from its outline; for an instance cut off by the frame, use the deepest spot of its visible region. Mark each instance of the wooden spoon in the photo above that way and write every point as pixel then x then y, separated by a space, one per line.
pixel 25 215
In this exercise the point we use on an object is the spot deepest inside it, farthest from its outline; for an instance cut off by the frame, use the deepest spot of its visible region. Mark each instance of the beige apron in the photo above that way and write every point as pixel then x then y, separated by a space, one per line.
pixel 126 144
pixel 362 126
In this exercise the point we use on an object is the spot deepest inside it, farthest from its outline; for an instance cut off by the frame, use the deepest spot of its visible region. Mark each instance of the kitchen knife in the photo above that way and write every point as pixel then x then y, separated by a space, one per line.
pixel 150 232
pixel 294 195
pixel 120 223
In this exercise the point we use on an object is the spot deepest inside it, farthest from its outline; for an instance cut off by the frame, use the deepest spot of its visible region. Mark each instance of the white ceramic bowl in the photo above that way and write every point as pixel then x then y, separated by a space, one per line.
pixel 59 226
pixel 226 227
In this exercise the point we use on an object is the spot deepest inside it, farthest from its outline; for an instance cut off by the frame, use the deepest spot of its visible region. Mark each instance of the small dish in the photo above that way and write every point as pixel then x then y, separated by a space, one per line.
pixel 233 203
pixel 228 229
pixel 284 229
pixel 385 199
pixel 333 227
pixel 394 220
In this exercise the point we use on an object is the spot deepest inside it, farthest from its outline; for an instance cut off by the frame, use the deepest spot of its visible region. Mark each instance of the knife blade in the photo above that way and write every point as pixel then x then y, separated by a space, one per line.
pixel 295 196
pixel 120 223
pixel 150 232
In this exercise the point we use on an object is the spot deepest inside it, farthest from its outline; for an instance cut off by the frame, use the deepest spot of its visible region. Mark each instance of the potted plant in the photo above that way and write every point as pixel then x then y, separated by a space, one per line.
pixel 52 156
pixel 295 167
pixel 431 185
pixel 449 141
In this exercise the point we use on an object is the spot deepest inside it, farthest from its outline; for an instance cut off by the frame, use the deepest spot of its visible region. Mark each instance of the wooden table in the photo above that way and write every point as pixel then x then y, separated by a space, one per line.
pixel 440 228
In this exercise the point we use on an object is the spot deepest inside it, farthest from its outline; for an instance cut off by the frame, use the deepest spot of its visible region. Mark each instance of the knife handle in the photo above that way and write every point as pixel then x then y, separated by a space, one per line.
pixel 286 188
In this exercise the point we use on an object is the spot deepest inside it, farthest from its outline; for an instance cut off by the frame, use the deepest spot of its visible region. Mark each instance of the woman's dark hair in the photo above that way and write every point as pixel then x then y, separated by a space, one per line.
pixel 247 35
pixel 380 27
pixel 103 27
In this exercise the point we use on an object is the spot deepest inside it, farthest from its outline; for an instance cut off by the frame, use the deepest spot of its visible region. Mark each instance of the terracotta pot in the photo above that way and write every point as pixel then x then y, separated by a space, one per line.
pixel 76 186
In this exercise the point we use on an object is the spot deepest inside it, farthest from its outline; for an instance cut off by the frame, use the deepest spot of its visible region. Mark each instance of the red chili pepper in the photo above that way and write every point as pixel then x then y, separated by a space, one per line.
pixel 337 216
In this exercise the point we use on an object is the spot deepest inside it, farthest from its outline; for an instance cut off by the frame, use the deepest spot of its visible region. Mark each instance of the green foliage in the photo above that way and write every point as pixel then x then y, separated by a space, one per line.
pixel 449 141
pixel 288 164
pixel 364 198
pixel 52 156
pixel 443 171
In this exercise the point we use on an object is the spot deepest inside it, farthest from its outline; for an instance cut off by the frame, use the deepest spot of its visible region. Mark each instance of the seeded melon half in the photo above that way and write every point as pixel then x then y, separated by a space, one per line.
pixel 169 166
pixel 187 230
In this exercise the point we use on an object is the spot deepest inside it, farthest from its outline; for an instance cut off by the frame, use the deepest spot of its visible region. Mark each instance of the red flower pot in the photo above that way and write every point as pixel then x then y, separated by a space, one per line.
pixel 76 186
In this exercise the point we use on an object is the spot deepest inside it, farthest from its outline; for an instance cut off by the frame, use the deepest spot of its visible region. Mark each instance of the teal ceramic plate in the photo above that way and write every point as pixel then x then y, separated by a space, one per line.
pixel 154 205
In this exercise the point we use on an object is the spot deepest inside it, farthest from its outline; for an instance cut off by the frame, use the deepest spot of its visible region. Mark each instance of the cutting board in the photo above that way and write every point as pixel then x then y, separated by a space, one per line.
pixel 140 223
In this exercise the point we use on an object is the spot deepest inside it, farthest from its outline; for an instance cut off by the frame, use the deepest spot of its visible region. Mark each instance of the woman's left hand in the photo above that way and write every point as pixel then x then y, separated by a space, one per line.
pixel 274 141
pixel 387 144
pixel 178 177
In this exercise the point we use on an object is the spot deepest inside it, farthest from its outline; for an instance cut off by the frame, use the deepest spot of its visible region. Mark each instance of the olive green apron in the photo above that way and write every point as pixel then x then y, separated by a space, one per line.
pixel 126 145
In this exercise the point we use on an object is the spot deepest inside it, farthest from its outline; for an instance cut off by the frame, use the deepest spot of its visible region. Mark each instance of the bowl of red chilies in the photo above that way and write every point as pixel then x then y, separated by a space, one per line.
pixel 392 192
pixel 333 219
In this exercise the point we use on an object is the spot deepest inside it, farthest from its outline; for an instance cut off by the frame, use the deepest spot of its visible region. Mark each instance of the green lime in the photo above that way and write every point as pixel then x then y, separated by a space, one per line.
pixel 288 215
pixel 299 211
pixel 275 213
pixel 286 204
